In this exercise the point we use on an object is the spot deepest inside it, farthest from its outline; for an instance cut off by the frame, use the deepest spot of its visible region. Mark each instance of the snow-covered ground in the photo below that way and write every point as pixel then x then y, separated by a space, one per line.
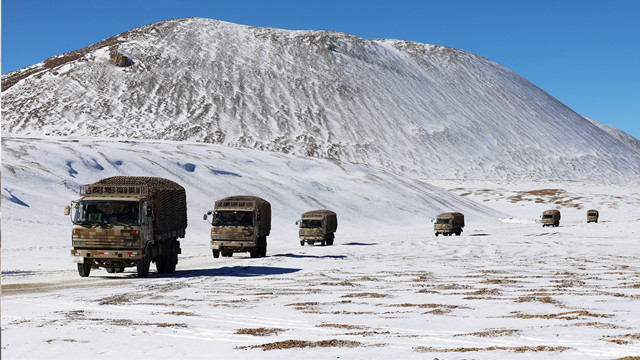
pixel 418 109
pixel 506 288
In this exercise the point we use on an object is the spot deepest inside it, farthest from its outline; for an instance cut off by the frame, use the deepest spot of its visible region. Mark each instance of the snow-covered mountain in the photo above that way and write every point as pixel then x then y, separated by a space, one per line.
pixel 418 109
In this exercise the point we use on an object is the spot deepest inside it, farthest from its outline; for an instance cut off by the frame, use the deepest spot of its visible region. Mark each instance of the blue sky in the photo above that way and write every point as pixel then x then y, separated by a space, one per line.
pixel 585 53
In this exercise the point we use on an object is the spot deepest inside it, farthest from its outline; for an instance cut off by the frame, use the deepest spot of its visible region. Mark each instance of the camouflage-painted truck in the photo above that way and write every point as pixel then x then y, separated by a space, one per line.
pixel 317 226
pixel 551 218
pixel 127 221
pixel 592 215
pixel 449 223
pixel 240 223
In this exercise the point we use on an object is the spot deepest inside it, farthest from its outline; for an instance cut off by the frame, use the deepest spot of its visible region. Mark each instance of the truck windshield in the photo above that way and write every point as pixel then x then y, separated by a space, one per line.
pixel 592 214
pixel 309 224
pixel 443 221
pixel 232 218
pixel 547 216
pixel 107 212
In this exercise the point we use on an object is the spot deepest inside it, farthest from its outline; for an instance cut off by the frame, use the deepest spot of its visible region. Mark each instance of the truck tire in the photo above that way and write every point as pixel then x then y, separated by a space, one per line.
pixel 120 269
pixel 111 270
pixel 161 264
pixel 143 266
pixel 330 239
pixel 322 242
pixel 302 243
pixel 458 233
pixel 172 260
pixel 437 234
pixel 216 253
pixel 84 269
pixel 255 251
pixel 263 247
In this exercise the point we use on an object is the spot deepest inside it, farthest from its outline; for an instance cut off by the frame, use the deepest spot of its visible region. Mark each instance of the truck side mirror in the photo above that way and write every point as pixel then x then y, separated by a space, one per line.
pixel 205 216
pixel 67 210
pixel 298 222
pixel 148 211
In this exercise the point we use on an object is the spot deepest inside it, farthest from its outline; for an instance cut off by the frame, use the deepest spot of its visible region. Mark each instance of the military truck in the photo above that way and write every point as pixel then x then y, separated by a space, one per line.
pixel 240 224
pixel 592 216
pixel 551 218
pixel 449 223
pixel 317 226
pixel 127 221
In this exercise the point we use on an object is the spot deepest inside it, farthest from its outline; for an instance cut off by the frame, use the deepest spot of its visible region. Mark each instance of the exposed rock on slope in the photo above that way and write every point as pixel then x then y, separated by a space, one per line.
pixel 421 109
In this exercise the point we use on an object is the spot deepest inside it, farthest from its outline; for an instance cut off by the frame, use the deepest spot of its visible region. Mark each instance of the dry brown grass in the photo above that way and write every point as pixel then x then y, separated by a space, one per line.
pixel 301 344
pixel 518 349
pixel 181 313
pixel 622 339
pixel 569 315
pixel 542 299
pixel 344 326
pixel 492 333
pixel 452 287
pixel 259 331
pixel 365 295
pixel 428 306
pixel 485 291
pixel 597 325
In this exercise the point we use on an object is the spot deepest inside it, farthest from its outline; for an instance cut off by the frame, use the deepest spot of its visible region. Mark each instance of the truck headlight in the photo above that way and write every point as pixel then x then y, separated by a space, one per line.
pixel 79 243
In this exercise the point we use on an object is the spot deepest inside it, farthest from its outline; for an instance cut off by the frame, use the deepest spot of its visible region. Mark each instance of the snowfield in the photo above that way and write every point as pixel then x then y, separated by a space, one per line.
pixel 506 288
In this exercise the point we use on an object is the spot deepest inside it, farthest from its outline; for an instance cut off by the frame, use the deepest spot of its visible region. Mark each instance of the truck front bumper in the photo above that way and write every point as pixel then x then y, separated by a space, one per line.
pixel 311 237
pixel 235 245
pixel 78 255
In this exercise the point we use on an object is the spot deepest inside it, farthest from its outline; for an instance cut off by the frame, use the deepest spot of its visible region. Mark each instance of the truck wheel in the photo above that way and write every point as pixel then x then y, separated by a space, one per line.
pixel 143 266
pixel 216 253
pixel 264 248
pixel 255 251
pixel 437 234
pixel 322 242
pixel 111 270
pixel 172 260
pixel 161 264
pixel 120 269
pixel 302 243
pixel 458 233
pixel 84 269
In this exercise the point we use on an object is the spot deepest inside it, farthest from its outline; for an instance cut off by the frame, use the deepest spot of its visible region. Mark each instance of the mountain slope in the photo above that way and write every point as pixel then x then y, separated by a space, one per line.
pixel 418 109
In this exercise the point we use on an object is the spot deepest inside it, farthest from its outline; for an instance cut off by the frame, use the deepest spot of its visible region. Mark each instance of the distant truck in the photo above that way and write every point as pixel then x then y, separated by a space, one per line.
pixel 317 226
pixel 592 216
pixel 127 221
pixel 449 223
pixel 240 224
pixel 551 218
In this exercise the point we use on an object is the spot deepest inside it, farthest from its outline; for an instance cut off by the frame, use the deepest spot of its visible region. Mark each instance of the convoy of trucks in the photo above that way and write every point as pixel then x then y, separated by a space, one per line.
pixel 127 221
pixel 551 218
pixel 449 223
pixel 317 226
pixel 240 224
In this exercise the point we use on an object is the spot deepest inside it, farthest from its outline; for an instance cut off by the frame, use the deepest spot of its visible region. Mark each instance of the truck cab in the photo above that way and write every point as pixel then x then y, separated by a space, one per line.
pixel 551 218
pixel 124 222
pixel 448 224
pixel 239 224
pixel 317 226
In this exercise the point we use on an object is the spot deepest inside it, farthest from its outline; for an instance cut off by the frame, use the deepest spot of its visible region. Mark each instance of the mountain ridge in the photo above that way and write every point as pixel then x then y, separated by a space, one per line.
pixel 424 110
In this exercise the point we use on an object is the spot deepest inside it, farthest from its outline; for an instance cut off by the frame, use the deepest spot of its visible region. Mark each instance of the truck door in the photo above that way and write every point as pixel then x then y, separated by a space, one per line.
pixel 147 229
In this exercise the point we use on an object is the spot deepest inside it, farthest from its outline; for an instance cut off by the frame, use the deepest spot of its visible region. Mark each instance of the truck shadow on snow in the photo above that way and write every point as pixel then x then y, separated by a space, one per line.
pixel 298 256
pixel 234 271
